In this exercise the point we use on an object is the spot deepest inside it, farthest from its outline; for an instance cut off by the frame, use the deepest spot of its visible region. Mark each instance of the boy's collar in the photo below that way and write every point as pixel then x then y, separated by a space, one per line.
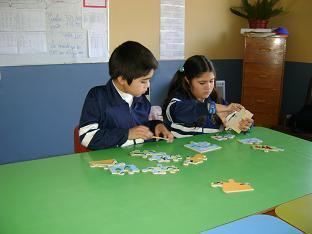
pixel 114 96
pixel 127 97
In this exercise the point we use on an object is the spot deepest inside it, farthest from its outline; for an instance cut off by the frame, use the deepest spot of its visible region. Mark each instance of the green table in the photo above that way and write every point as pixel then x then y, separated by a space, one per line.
pixel 64 195
pixel 297 212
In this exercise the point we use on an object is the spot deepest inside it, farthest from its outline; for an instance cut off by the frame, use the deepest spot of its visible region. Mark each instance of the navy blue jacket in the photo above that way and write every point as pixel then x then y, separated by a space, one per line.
pixel 106 118
pixel 187 117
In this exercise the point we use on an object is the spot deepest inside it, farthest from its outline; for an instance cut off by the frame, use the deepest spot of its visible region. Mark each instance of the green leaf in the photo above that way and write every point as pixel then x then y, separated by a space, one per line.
pixel 261 9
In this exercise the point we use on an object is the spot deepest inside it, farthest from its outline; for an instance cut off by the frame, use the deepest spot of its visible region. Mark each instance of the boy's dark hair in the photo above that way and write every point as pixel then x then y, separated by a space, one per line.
pixel 131 60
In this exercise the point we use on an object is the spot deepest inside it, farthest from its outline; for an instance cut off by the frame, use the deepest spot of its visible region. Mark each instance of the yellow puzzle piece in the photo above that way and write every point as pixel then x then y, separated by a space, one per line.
pixel 232 186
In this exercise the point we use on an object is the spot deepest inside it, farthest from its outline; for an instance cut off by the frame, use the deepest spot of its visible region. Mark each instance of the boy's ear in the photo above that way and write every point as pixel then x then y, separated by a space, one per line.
pixel 120 80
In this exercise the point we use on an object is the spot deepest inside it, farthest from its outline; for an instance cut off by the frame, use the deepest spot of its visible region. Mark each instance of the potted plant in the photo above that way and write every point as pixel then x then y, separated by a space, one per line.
pixel 258 13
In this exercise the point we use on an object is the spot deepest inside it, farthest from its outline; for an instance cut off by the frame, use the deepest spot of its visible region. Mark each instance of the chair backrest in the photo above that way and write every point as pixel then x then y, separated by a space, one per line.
pixel 155 113
pixel 78 147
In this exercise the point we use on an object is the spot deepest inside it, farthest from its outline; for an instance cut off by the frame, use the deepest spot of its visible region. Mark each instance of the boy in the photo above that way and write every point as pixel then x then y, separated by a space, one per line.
pixel 116 114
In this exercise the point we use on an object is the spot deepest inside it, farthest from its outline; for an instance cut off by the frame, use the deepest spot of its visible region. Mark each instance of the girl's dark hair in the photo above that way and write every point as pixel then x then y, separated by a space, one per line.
pixel 131 60
pixel 193 67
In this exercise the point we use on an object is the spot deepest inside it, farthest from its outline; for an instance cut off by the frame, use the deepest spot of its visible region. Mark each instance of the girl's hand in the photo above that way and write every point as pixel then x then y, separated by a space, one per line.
pixel 245 124
pixel 229 108
pixel 234 107
pixel 222 116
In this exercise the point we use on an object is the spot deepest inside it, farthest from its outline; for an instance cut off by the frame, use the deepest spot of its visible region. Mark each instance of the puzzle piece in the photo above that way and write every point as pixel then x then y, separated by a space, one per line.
pixel 202 147
pixel 250 141
pixel 160 158
pixel 196 159
pixel 161 170
pixel 267 148
pixel 131 169
pixel 176 158
pixel 122 168
pixel 118 169
pixel 155 170
pixel 232 186
pixel 152 155
pixel 142 154
pixel 103 163
pixel 223 137
pixel 234 118
pixel 165 158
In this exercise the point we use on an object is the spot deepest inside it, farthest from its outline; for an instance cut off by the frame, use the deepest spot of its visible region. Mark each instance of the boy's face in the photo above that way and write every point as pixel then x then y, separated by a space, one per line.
pixel 139 85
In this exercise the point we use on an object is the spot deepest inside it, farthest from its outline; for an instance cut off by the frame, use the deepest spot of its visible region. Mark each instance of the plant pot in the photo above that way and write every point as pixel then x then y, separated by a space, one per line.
pixel 258 23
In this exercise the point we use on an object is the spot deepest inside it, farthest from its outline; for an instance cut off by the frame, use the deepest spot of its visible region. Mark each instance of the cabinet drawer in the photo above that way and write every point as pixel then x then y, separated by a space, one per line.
pixel 262 75
pixel 264 50
pixel 265 119
pixel 261 100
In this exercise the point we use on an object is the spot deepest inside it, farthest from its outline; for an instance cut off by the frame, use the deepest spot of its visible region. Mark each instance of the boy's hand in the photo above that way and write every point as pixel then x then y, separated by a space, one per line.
pixel 140 131
pixel 161 130
pixel 245 124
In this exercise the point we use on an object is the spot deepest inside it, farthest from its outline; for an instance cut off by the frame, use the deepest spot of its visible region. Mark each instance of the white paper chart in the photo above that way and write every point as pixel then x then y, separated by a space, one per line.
pixel 172 17
pixel 34 32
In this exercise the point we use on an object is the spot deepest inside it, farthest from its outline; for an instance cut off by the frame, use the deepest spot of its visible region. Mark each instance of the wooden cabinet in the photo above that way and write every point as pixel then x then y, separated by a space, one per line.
pixel 263 71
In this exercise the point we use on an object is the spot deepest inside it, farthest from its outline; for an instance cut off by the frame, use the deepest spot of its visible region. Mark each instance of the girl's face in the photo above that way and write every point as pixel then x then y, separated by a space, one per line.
pixel 203 85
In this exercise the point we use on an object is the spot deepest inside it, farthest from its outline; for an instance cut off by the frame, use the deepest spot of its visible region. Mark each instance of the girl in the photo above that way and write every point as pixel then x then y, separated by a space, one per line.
pixel 192 105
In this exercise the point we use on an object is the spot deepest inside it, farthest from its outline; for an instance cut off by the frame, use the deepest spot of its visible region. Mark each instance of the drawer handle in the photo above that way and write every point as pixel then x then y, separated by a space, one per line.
pixel 262 76
pixel 265 49
pixel 260 101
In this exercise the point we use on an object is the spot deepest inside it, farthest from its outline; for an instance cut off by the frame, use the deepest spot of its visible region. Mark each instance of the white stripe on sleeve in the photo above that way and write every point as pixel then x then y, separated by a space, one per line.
pixel 178 135
pixel 132 142
pixel 87 128
pixel 193 129
pixel 211 130
pixel 127 143
pixel 174 100
pixel 88 137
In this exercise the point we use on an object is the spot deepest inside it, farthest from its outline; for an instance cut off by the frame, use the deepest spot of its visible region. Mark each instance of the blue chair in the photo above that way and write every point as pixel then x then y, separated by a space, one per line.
pixel 255 224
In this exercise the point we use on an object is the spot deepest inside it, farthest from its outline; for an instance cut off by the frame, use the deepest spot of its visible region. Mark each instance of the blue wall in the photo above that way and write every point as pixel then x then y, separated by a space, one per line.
pixel 296 81
pixel 40 105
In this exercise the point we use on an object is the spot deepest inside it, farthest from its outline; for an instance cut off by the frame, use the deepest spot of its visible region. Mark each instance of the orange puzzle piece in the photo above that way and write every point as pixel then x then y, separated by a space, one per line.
pixel 103 163
pixel 232 186
pixel 196 159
